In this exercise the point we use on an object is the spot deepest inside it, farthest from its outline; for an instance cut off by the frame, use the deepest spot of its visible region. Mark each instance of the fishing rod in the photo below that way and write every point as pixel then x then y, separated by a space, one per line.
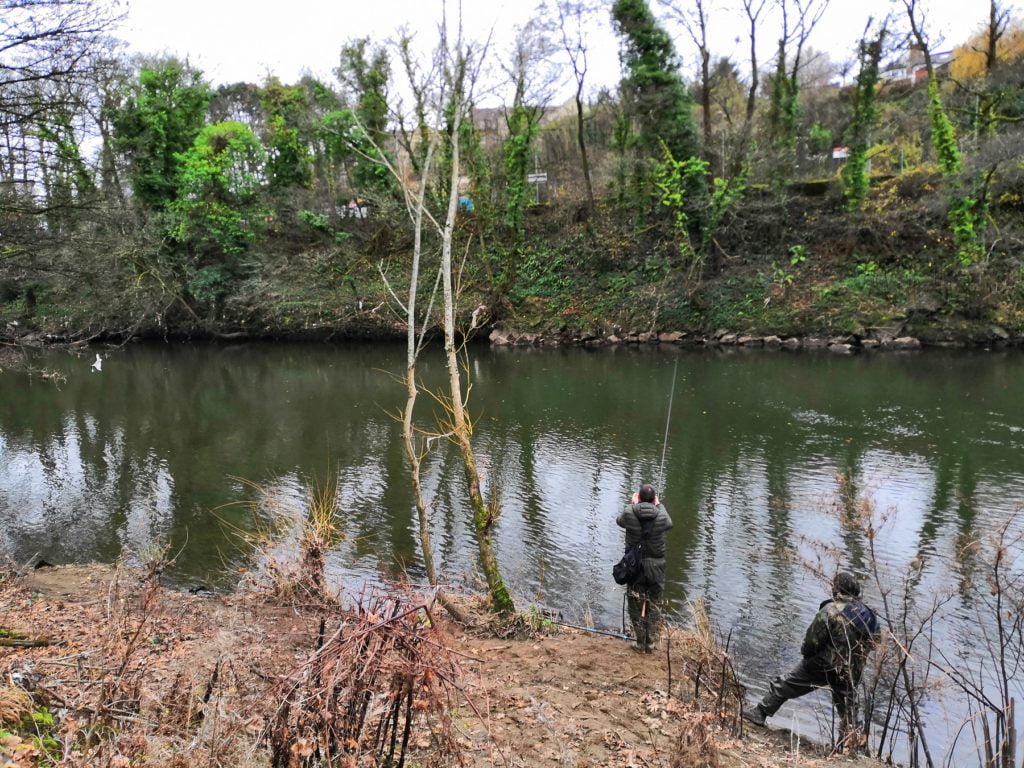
pixel 592 630
pixel 664 443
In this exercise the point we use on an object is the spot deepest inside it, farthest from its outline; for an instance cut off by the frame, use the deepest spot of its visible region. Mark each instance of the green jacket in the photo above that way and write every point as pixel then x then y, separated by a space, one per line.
pixel 841 636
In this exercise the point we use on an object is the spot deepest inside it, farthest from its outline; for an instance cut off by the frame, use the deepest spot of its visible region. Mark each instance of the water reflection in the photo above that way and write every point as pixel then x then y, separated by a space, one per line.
pixel 768 460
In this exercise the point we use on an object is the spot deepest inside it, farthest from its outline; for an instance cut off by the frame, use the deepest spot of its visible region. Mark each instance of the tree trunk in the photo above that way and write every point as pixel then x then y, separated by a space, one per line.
pixel 483 520
pixel 584 160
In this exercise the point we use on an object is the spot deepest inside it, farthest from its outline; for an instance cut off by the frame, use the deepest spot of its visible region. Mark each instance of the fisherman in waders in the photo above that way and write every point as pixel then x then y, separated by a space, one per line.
pixel 834 650
pixel 644 594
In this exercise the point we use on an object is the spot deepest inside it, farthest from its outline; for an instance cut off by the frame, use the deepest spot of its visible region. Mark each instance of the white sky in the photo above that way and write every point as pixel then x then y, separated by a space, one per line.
pixel 242 40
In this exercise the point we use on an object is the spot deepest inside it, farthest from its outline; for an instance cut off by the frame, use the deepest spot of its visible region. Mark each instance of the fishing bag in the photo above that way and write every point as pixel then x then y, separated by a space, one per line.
pixel 629 568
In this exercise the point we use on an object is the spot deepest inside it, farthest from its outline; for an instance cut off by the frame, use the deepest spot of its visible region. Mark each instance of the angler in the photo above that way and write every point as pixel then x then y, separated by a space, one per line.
pixel 645 521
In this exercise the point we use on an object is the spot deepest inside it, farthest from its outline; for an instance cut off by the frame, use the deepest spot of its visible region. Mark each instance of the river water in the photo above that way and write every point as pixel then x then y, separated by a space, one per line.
pixel 767 465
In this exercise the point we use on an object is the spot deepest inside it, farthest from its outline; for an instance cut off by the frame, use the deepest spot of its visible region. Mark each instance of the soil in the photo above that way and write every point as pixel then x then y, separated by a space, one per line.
pixel 205 667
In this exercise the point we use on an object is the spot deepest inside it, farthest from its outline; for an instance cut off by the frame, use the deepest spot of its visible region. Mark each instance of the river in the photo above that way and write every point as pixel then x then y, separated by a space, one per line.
pixel 769 461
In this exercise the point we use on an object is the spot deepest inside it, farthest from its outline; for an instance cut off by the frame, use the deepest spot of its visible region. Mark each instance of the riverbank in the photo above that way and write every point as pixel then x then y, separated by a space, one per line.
pixel 788 269
pixel 134 673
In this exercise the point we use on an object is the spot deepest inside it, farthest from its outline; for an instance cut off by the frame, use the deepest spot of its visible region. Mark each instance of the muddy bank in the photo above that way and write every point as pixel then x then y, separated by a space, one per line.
pixel 197 680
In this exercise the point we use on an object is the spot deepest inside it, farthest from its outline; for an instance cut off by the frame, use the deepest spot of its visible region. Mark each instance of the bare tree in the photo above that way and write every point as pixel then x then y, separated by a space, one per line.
pixel 998 20
pixel 694 18
pixel 799 18
pixel 447 104
pixel 753 10
pixel 532 75
pixel 461 68
pixel 573 18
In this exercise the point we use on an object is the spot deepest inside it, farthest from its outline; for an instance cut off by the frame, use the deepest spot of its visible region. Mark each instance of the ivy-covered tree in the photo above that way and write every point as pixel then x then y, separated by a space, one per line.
pixel 799 17
pixel 865 113
pixel 655 101
pixel 364 73
pixel 531 76
pixel 653 92
pixel 217 213
pixel 159 120
pixel 289 159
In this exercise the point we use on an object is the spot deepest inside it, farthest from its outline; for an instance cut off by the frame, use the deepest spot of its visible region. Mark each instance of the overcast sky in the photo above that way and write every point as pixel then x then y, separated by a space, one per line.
pixel 242 40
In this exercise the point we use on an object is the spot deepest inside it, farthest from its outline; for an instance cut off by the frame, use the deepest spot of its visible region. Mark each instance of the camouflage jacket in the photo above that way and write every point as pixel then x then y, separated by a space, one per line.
pixel 841 636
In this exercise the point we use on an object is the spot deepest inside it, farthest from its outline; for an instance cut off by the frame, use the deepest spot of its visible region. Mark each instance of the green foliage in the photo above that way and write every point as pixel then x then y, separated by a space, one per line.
pixel 783 107
pixel 218 210
pixel 348 143
pixel 783 277
pixel 160 118
pixel 965 212
pixel 725 193
pixel 674 180
pixel 819 139
pixel 542 274
pixel 522 130
pixel 364 71
pixel 289 160
pixel 654 97
pixel 865 114
pixel 947 151
pixel 322 224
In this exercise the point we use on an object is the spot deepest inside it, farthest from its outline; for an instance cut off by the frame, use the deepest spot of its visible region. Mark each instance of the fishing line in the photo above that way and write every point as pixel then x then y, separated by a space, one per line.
pixel 668 419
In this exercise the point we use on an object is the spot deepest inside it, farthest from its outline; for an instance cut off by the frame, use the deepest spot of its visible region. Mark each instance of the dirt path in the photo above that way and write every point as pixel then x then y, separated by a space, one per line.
pixel 204 669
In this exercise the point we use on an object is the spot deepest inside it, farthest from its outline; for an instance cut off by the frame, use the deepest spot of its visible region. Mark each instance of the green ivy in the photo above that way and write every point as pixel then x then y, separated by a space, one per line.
pixel 865 112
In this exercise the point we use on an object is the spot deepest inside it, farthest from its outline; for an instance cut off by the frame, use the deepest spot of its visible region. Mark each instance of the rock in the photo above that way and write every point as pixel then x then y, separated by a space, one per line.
pixel 727 338
pixel 772 341
pixel 870 343
pixel 671 338
pixel 841 349
pixel 613 339
pixel 793 342
pixel 750 341
pixel 815 341
pixel 647 338
pixel 903 342
pixel 499 338
pixel 998 332
pixel 525 340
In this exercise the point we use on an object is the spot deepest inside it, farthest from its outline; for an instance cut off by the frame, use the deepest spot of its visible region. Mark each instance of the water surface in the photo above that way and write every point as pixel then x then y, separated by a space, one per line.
pixel 768 460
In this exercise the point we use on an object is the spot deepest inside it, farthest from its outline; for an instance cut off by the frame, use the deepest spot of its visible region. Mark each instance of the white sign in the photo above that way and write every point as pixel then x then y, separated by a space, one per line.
pixel 840 152
pixel 536 178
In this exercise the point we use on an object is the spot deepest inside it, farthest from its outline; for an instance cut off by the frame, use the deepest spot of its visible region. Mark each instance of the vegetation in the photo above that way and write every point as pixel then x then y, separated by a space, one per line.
pixel 137 199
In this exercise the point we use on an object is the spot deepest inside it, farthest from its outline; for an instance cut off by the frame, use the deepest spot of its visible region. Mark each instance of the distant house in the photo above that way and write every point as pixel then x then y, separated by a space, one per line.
pixel 911 69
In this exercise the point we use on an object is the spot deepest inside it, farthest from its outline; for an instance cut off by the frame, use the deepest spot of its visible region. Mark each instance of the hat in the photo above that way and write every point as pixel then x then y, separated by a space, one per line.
pixel 845 583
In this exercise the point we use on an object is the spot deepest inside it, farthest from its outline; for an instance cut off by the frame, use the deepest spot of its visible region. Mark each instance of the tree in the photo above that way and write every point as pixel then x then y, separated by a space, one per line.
pixel 50 52
pixel 966 209
pixel 855 174
pixel 694 19
pixel 159 120
pixel 532 79
pixel 656 102
pixel 978 67
pixel 289 160
pixel 799 17
pixel 654 95
pixel 573 18
pixel 443 99
pixel 460 61
pixel 753 10
pixel 217 212
pixel 364 73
